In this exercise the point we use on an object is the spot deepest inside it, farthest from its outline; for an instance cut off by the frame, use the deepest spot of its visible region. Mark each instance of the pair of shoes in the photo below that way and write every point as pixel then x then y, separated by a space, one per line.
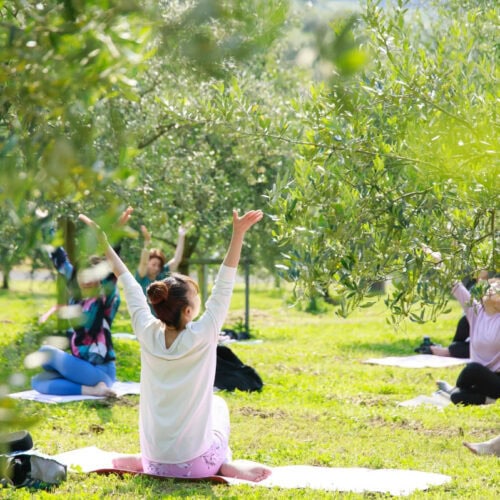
pixel 425 346
pixel 423 349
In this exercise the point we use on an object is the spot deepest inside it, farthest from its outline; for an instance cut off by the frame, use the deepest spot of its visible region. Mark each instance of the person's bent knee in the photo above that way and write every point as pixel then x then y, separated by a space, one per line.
pixel 48 352
pixel 469 374
pixel 39 384
pixel 473 366
pixel 467 398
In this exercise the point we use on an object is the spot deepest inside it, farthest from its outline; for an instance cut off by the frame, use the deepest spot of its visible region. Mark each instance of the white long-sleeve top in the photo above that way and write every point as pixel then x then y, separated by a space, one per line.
pixel 175 411
pixel 484 330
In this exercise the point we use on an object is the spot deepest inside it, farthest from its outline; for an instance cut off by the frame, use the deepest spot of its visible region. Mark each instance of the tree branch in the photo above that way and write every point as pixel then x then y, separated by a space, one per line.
pixel 159 133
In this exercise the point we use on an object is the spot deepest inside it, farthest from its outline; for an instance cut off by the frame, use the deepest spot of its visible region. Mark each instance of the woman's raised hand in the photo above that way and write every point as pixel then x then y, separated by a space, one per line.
pixel 100 234
pixel 117 265
pixel 146 235
pixel 88 221
pixel 435 256
pixel 125 216
pixel 242 224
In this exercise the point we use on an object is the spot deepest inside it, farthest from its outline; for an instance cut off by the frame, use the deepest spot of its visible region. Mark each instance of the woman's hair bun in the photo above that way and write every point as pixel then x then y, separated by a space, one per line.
pixel 157 292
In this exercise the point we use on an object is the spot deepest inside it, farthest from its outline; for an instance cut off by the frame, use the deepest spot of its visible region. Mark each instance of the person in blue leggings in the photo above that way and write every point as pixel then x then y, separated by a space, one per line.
pixel 90 367
pixel 67 375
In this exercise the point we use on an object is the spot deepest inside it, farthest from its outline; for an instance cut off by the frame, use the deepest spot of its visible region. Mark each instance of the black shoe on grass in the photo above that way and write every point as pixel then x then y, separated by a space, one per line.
pixel 425 346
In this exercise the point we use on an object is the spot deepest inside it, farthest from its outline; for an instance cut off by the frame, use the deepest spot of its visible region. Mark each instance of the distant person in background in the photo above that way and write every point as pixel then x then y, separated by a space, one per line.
pixel 90 368
pixel 479 382
pixel 153 264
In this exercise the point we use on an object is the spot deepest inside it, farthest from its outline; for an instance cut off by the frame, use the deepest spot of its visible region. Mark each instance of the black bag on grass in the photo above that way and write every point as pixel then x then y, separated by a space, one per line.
pixel 231 373
pixel 22 466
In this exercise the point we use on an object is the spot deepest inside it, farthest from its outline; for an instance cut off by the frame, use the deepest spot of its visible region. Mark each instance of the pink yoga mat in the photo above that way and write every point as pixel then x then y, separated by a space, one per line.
pixel 131 464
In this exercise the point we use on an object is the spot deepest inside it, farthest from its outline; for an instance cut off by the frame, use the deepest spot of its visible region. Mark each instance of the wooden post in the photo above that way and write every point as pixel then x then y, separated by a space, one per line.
pixel 247 296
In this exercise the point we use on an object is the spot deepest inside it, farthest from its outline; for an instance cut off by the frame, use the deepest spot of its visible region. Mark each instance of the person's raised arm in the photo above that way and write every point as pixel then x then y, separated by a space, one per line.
pixel 142 269
pixel 117 265
pixel 174 262
pixel 125 216
pixel 240 226
pixel 122 221
pixel 220 298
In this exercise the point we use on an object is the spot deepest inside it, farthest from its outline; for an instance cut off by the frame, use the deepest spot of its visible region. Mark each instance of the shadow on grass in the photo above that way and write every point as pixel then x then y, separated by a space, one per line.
pixel 401 347
pixel 104 411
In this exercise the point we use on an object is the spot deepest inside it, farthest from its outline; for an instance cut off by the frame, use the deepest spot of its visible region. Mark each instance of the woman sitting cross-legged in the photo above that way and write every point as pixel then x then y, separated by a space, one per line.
pixel 90 367
pixel 479 382
pixel 184 428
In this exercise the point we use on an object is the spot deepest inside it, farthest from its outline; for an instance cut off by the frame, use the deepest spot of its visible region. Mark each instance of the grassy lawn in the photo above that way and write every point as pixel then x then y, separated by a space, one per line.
pixel 320 405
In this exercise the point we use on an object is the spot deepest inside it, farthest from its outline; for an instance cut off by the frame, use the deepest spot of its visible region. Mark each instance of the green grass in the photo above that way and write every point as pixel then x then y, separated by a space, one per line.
pixel 320 405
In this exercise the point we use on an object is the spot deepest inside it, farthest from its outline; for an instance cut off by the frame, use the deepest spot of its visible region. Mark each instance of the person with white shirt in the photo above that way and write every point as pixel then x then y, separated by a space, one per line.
pixel 184 427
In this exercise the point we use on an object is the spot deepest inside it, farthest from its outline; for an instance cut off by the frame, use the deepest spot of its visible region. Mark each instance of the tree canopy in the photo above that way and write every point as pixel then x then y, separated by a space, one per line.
pixel 384 139
pixel 111 101
pixel 400 154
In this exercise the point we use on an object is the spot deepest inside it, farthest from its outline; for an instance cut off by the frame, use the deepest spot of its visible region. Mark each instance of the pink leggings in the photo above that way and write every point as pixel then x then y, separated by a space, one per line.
pixel 207 464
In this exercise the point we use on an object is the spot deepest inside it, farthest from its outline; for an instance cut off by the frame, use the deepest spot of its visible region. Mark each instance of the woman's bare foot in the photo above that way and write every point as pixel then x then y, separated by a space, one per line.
pixel 101 389
pixel 472 447
pixel 491 447
pixel 245 469
pixel 132 463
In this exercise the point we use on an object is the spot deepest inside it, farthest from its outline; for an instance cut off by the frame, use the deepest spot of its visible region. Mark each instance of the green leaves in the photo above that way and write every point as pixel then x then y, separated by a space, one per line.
pixel 405 158
pixel 395 146
pixel 59 62
pixel 104 101
pixel 212 34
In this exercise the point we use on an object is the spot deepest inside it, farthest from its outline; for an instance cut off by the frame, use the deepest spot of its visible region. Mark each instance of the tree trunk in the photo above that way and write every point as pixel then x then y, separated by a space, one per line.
pixel 189 248
pixel 5 279
pixel 69 231
pixel 494 264
pixel 184 267
pixel 378 287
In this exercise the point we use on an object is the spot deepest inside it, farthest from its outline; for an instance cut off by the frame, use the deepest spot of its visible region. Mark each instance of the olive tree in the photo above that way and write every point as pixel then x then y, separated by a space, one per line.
pixel 400 154
pixel 74 74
